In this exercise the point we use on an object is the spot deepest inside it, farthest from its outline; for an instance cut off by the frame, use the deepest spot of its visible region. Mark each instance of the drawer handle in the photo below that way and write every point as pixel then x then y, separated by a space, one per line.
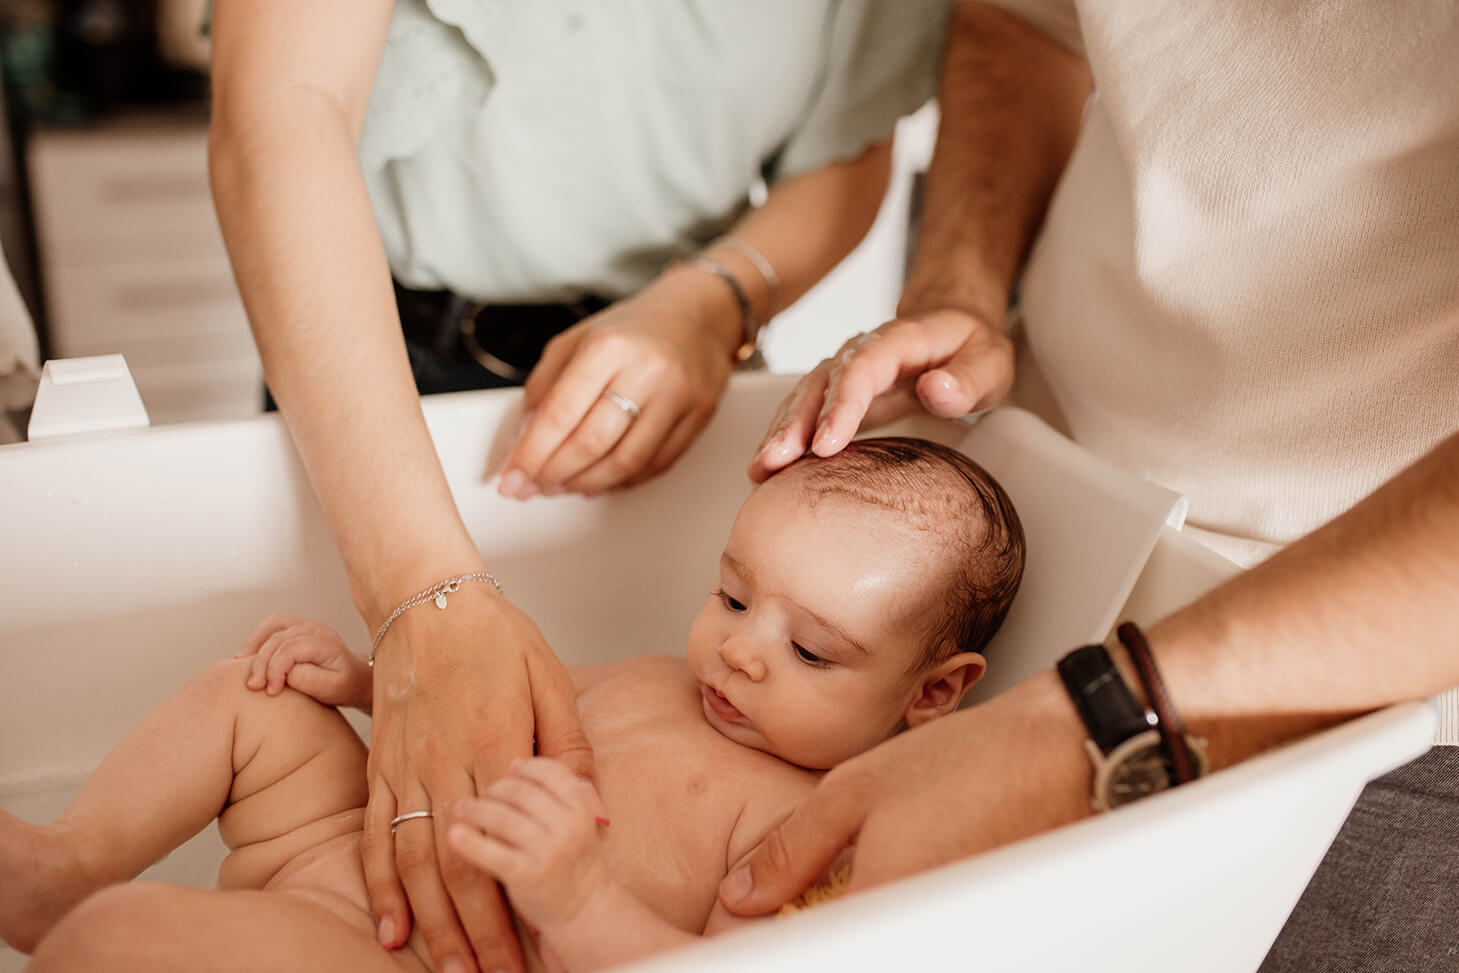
pixel 155 187
pixel 161 295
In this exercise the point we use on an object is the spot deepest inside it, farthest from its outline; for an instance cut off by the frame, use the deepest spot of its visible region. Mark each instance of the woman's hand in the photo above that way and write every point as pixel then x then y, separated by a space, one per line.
pixel 1012 767
pixel 536 831
pixel 310 657
pixel 949 361
pixel 459 695
pixel 664 354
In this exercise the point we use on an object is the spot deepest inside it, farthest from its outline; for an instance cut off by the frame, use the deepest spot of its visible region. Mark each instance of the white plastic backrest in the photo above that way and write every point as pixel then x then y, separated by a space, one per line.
pixel 85 395
pixel 1089 526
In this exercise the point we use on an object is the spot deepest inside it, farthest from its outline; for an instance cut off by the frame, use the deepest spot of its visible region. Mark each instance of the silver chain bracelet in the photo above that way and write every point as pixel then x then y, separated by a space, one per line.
pixel 437 593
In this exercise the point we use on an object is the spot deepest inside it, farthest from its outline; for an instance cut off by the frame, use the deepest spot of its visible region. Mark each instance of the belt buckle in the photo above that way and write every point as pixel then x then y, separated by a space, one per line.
pixel 501 369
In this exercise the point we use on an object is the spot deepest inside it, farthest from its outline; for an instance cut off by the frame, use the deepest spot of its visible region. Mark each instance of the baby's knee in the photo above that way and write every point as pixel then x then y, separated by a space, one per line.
pixel 119 928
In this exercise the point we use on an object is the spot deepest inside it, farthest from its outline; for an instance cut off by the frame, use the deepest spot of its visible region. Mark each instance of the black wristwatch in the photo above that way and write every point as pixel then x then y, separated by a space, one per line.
pixel 1124 737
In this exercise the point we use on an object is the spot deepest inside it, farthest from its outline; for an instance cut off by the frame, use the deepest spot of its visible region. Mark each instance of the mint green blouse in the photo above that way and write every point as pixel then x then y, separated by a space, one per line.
pixel 535 151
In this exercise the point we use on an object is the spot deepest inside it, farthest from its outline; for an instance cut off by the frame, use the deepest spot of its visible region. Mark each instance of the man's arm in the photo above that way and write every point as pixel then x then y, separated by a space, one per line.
pixel 1361 613
pixel 1011 102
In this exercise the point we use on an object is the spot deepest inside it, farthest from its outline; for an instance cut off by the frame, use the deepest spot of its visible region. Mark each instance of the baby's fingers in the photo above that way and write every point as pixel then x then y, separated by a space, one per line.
pixel 490 854
pixel 266 629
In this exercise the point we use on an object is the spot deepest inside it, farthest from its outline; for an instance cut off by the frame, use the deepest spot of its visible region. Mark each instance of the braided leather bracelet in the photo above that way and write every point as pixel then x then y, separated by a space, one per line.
pixel 1172 727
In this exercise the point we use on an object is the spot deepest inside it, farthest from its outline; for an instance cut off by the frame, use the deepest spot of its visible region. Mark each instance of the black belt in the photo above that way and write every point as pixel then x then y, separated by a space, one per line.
pixel 450 337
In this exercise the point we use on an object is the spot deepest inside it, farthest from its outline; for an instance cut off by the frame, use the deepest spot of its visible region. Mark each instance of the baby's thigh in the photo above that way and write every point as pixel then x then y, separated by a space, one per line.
pixel 156 927
pixel 296 762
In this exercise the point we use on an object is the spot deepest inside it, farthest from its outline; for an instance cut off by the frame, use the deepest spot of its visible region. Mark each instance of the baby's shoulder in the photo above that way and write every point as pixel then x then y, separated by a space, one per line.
pixel 647 668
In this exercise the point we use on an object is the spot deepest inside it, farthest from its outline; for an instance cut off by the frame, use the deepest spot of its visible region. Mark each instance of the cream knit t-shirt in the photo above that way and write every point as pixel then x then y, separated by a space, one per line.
pixel 1247 285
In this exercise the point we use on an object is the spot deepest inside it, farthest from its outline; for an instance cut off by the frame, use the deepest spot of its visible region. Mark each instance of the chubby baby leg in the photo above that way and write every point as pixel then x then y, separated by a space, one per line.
pixel 274 766
pixel 155 927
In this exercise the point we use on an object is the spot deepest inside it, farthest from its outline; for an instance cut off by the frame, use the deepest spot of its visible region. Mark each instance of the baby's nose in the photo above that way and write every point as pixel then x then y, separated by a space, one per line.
pixel 742 654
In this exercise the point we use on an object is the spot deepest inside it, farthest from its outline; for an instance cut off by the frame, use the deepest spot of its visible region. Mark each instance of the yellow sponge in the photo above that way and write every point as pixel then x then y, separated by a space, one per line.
pixel 833 886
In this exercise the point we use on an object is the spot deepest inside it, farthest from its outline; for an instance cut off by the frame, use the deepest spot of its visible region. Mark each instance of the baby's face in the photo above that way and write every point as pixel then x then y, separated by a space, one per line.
pixel 804 650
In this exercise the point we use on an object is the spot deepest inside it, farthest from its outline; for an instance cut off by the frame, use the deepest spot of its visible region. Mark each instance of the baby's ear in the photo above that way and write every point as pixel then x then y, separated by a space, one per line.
pixel 944 686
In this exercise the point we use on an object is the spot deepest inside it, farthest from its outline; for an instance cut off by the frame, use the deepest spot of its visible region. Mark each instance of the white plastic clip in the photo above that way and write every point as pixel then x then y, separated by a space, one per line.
pixel 86 395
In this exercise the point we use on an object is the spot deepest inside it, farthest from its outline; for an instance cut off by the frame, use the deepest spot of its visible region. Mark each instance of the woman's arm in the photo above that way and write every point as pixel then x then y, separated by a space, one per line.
pixel 671 347
pixel 1359 614
pixel 291 83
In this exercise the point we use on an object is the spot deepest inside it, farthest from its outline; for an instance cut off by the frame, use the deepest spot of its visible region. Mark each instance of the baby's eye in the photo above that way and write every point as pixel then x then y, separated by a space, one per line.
pixel 807 656
pixel 730 603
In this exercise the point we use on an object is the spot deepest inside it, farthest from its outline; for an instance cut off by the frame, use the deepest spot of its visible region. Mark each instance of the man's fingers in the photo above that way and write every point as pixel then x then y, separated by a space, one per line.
pixel 797 852
pixel 382 882
pixel 790 432
pixel 978 377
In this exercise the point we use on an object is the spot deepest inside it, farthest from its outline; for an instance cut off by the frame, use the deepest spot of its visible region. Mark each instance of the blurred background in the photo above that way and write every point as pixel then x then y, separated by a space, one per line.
pixel 107 221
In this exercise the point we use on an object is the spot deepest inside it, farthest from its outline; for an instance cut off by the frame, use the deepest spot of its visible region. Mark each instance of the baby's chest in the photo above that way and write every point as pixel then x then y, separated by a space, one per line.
pixel 672 814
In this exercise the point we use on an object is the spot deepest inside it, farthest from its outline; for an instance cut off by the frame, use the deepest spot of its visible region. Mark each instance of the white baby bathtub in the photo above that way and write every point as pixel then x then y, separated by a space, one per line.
pixel 130 560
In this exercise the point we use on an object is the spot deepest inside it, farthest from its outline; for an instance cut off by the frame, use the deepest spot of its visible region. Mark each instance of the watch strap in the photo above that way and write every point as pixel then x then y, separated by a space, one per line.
pixel 1109 710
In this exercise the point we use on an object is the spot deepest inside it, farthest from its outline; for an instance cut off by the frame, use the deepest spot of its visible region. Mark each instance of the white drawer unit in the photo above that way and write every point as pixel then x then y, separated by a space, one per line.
pixel 134 264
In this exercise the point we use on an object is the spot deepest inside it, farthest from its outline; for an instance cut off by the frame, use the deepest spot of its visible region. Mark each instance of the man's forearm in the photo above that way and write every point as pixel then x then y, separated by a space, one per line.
pixel 1011 101
pixel 1361 613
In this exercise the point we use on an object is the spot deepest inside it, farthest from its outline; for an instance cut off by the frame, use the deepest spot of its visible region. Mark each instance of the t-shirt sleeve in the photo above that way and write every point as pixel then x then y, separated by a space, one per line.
pixel 881 62
pixel 1057 18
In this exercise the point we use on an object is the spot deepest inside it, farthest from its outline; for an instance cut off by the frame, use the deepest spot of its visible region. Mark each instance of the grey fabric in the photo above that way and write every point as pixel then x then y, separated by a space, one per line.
pixel 1383 899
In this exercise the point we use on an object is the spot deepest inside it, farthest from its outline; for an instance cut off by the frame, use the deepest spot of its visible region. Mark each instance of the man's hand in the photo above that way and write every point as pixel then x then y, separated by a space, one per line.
pixel 310 657
pixel 965 783
pixel 458 695
pixel 950 362
pixel 536 832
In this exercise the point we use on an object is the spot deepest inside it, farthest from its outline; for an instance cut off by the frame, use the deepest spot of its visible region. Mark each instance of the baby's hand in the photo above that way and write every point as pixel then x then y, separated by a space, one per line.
pixel 536 832
pixel 308 656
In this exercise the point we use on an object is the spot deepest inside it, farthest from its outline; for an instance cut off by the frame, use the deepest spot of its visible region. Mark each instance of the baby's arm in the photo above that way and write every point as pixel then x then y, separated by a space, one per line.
pixel 310 657
pixel 536 831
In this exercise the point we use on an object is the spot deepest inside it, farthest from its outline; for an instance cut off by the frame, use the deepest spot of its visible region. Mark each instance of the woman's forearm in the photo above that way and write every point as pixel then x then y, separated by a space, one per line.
pixel 1011 100
pixel 306 254
pixel 806 225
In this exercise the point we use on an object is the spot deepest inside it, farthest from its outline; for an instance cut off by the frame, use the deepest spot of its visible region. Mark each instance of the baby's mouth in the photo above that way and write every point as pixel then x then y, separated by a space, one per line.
pixel 720 705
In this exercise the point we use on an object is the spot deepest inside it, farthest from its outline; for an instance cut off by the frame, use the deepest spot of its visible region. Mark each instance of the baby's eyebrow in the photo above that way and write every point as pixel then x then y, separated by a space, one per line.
pixel 739 567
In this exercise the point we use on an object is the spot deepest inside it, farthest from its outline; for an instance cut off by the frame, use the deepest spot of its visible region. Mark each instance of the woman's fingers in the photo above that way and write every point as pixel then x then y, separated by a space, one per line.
pixel 555 357
pixel 382 882
pixel 559 727
pixel 475 897
pixel 572 395
pixel 416 862
pixel 611 433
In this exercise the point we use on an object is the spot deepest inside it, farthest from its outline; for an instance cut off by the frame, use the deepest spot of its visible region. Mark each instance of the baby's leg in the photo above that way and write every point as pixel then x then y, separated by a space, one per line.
pixel 153 927
pixel 214 745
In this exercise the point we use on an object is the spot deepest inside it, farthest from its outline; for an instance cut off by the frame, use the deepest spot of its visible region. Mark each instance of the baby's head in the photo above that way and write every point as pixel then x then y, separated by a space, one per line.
pixel 856 594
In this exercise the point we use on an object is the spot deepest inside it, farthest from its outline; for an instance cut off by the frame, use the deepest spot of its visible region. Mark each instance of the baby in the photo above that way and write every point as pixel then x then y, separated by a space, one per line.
pixel 855 596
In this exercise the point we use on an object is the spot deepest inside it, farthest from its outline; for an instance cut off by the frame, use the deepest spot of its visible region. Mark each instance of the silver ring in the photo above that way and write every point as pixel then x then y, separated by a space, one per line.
pixel 409 817
pixel 623 402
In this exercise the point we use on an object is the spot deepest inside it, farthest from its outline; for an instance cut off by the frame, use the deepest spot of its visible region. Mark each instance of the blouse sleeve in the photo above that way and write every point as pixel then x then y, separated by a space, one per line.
pixel 880 62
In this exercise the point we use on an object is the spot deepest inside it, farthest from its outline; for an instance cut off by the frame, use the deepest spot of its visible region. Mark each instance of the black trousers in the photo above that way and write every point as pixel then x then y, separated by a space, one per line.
pixel 456 345
pixel 1386 897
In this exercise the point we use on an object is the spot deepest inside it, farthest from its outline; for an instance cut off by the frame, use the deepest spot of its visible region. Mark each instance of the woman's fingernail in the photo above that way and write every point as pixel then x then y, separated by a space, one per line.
pixel 387 932
pixel 512 483
pixel 738 885
pixel 453 965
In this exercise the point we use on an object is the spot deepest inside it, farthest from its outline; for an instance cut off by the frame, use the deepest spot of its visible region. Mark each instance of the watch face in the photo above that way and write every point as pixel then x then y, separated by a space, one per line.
pixel 1132 770
pixel 1139 775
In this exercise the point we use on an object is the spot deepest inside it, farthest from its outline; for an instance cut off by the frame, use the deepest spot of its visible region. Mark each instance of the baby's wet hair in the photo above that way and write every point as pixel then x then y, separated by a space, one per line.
pixel 944 493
